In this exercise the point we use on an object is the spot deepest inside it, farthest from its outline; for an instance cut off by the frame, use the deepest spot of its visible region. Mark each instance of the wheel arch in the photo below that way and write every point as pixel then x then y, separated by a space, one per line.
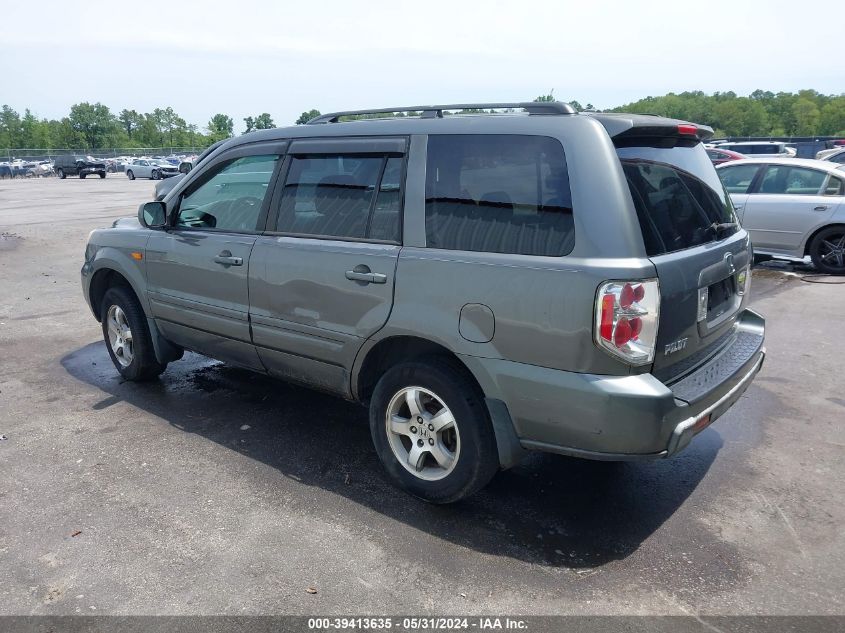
pixel 380 356
pixel 101 281
pixel 819 230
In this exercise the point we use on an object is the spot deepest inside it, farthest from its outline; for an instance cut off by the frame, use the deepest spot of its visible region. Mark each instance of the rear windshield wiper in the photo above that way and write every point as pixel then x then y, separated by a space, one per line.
pixel 722 226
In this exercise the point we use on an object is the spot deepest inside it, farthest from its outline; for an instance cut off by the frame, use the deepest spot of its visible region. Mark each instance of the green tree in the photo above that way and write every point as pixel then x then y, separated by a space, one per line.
pixel 94 122
pixel 807 117
pixel 307 116
pixel 130 120
pixel 250 124
pixel 264 121
pixel 10 127
pixel 220 126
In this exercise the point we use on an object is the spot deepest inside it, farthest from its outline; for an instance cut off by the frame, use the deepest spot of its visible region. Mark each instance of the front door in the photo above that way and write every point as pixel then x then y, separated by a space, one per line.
pixel 321 280
pixel 198 270
pixel 789 203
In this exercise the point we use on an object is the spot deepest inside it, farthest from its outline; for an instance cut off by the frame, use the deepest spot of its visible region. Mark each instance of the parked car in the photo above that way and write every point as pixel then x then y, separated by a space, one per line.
pixel 834 156
pixel 38 169
pixel 152 168
pixel 547 280
pixel 82 166
pixel 719 156
pixel 166 186
pixel 759 149
pixel 791 208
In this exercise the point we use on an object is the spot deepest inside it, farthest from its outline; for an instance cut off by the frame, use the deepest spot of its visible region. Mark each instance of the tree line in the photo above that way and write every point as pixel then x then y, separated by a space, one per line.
pixel 762 113
pixel 94 126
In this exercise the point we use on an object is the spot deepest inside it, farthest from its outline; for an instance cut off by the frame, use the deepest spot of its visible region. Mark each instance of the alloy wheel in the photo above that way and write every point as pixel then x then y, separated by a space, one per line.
pixel 422 433
pixel 832 251
pixel 120 336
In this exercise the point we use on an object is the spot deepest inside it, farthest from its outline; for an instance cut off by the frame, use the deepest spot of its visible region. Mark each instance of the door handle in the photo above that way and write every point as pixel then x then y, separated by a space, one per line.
pixel 366 276
pixel 227 259
pixel 821 207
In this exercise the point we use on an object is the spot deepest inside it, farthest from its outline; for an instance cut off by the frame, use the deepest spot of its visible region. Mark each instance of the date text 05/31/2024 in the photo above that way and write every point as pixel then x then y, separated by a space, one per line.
pixel 417 623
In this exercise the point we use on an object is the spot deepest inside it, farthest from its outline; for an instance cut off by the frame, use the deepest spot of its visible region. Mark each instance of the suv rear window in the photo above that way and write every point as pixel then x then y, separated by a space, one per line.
pixel 498 193
pixel 678 196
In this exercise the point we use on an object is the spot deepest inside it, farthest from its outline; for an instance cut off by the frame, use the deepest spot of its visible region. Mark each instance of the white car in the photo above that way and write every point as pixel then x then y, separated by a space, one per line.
pixel 791 207
pixel 760 149
pixel 833 155
pixel 152 168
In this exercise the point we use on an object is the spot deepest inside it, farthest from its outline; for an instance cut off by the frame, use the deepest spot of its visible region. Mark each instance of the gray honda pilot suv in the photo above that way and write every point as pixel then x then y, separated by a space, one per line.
pixel 485 283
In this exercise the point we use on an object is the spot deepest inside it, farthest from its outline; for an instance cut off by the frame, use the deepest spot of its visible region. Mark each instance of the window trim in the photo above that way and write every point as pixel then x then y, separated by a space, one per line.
pixel 211 170
pixel 272 222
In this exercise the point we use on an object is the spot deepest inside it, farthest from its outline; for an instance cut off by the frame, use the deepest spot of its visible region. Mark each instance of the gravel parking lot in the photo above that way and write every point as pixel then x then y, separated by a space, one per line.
pixel 219 491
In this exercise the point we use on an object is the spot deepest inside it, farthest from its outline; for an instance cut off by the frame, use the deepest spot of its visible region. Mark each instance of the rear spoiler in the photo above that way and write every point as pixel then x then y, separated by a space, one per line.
pixel 622 127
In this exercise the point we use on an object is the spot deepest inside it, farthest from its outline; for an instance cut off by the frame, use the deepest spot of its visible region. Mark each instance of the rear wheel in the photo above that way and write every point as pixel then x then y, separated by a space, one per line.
pixel 431 430
pixel 130 175
pixel 827 250
pixel 127 336
pixel 82 176
pixel 60 173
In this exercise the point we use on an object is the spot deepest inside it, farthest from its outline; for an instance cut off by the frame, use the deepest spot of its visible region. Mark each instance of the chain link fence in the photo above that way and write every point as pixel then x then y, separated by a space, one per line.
pixel 34 154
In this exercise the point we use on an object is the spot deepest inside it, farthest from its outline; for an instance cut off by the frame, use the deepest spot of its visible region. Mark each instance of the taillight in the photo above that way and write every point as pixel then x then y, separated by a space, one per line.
pixel 687 129
pixel 626 319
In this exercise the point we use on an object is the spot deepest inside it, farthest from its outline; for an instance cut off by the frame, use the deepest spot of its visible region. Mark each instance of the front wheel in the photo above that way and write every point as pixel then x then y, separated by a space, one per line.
pixel 431 430
pixel 827 250
pixel 102 174
pixel 127 336
pixel 155 175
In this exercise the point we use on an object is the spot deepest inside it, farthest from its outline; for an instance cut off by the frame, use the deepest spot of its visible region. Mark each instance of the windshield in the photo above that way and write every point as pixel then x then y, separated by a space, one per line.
pixel 679 198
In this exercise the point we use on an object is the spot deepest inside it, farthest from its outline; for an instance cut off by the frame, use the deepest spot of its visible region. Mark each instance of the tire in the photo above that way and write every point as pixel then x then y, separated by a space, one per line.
pixel 61 173
pixel 82 176
pixel 467 445
pixel 130 175
pixel 155 175
pixel 102 174
pixel 827 250
pixel 759 259
pixel 133 356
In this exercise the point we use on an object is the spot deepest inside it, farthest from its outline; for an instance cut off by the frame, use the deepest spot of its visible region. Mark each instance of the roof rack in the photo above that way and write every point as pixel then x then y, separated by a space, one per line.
pixel 436 111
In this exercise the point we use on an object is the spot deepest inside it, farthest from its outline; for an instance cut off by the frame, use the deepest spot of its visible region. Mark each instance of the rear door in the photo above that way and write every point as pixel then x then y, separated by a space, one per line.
pixel 197 271
pixel 787 203
pixel 321 278
pixel 700 253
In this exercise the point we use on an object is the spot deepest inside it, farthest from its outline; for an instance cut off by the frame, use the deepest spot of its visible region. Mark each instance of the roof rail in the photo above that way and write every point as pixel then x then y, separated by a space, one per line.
pixel 436 111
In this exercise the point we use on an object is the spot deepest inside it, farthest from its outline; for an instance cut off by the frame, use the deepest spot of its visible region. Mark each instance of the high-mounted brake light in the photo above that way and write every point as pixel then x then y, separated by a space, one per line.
pixel 687 129
pixel 626 319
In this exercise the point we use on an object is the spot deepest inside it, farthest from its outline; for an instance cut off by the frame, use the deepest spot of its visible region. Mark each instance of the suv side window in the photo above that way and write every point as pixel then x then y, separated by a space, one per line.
pixel 498 194
pixel 231 199
pixel 792 180
pixel 342 196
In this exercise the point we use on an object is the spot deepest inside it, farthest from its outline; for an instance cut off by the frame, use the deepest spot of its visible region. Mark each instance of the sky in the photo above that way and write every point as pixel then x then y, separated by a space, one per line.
pixel 251 56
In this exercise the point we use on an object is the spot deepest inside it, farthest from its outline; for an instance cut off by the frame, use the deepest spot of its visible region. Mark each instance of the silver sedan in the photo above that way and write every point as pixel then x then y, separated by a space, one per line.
pixel 791 207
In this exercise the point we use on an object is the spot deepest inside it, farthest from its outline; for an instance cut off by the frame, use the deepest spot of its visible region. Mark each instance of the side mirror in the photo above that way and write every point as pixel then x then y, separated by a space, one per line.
pixel 153 215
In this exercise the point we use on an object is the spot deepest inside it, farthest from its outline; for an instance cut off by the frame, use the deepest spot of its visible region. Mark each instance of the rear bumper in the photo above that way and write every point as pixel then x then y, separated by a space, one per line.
pixel 623 417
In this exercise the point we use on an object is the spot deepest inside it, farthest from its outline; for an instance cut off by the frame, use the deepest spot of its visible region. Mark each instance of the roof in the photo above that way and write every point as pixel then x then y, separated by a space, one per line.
pixel 822 165
pixel 498 123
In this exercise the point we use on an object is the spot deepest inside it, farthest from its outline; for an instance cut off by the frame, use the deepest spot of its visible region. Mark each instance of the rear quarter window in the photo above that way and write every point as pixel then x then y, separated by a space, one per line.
pixel 498 194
